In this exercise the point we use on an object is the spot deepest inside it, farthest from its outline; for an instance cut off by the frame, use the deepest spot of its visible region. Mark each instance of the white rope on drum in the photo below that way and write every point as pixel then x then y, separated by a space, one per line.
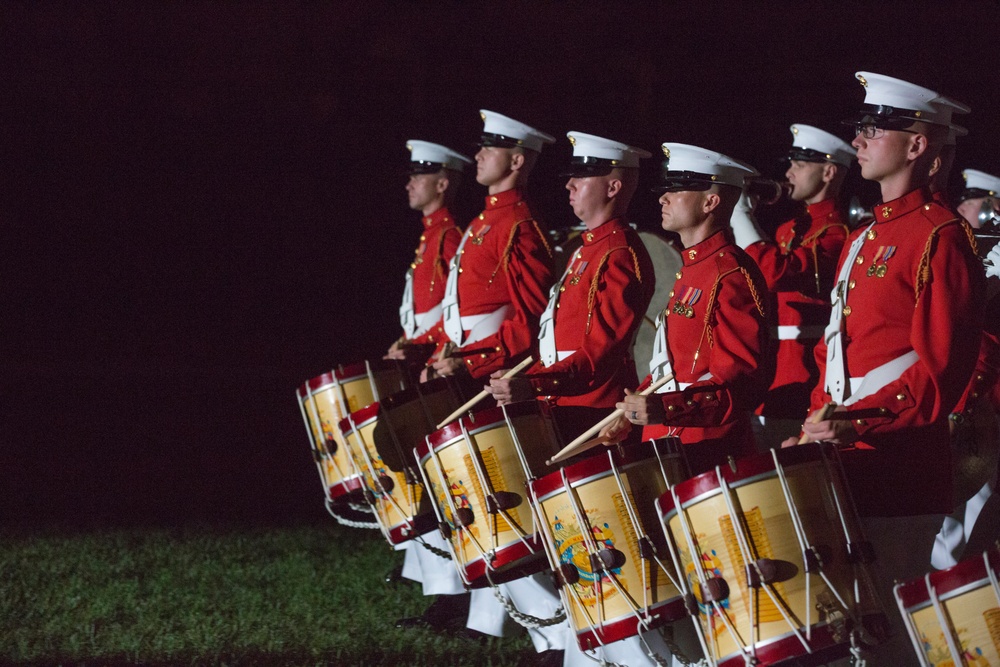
pixel 344 521
pixel 526 620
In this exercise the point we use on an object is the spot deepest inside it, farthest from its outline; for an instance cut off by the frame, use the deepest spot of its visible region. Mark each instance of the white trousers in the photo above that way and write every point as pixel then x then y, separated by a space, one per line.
pixel 411 561
pixel 957 528
pixel 438 575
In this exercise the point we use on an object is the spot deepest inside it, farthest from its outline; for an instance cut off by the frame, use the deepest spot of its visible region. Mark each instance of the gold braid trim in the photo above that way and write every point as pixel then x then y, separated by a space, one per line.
pixel 505 254
pixel 592 293
pixel 815 247
pixel 923 277
pixel 967 228
pixel 753 291
pixel 439 263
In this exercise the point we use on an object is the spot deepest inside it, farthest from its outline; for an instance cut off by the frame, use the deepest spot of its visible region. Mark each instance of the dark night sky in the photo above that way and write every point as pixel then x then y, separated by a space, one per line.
pixel 203 206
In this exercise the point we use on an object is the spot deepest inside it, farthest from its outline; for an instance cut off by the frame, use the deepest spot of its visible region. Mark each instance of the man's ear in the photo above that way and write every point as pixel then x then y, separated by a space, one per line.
pixel 441 185
pixel 614 187
pixel 918 145
pixel 935 166
pixel 710 202
pixel 516 160
pixel 829 172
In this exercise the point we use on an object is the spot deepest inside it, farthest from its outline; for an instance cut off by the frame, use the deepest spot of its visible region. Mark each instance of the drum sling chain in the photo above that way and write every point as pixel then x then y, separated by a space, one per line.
pixel 344 521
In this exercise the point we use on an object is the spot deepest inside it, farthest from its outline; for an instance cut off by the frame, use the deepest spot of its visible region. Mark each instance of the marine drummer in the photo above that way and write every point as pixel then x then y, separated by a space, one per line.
pixel 902 339
pixel 596 307
pixel 500 276
pixel 799 266
pixel 435 177
pixel 713 336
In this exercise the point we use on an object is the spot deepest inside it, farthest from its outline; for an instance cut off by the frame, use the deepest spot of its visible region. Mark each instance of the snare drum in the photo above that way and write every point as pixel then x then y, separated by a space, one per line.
pixel 328 398
pixel 397 499
pixel 953 616
pixel 476 468
pixel 611 496
pixel 786 514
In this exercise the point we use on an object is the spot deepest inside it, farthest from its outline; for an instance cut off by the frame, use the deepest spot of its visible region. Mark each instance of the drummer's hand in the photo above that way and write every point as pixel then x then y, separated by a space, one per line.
pixel 448 366
pixel 616 431
pixel 837 431
pixel 790 442
pixel 396 351
pixel 427 374
pixel 508 390
pixel 642 410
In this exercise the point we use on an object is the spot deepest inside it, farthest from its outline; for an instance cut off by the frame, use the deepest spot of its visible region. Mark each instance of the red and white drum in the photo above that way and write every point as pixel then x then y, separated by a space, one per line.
pixel 598 515
pixel 325 400
pixel 380 440
pixel 771 548
pixel 953 616
pixel 476 468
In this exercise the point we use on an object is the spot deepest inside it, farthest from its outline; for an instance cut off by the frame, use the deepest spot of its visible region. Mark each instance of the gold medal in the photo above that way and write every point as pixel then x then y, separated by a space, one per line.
pixel 477 240
pixel 575 280
pixel 880 271
pixel 689 312
pixel 871 271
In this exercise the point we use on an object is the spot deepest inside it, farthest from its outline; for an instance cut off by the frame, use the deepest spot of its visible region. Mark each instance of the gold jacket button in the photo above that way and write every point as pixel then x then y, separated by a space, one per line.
pixel 859 422
pixel 871 234
pixel 860 260
pixel 900 397
pixel 851 284
pixel 847 311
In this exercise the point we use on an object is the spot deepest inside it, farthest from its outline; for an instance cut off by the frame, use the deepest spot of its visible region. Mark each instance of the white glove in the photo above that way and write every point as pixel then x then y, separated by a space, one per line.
pixel 745 228
pixel 993 262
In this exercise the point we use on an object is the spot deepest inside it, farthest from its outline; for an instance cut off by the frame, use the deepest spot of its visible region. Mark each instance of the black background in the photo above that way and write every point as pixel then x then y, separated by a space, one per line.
pixel 202 203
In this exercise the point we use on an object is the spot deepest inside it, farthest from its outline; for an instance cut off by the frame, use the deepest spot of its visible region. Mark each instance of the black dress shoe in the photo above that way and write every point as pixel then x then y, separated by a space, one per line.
pixel 550 658
pixel 448 613
pixel 394 575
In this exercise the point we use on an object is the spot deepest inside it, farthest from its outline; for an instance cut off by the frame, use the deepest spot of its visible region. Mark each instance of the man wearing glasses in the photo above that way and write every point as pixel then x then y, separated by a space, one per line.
pixel 902 340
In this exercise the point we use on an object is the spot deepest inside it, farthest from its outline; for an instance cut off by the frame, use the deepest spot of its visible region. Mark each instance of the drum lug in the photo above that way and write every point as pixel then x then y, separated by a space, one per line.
pixel 691 604
pixel 715 589
pixel 385 483
pixel 816 556
pixel 646 549
pixel 860 552
pixel 318 456
pixel 445 530
pixel 369 496
pixel 464 517
pixel 502 501
pixel 606 559
pixel 331 446
pixel 566 574
pixel 765 571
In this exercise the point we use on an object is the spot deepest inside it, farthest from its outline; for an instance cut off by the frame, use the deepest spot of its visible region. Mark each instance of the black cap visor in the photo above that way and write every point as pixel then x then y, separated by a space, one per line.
pixel 499 141
pixel 421 167
pixel 584 167
pixel 806 155
pixel 974 193
pixel 885 117
pixel 685 181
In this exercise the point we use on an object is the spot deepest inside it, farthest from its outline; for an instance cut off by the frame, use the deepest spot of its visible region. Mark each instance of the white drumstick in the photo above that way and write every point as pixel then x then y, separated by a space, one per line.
pixel 586 440
pixel 483 394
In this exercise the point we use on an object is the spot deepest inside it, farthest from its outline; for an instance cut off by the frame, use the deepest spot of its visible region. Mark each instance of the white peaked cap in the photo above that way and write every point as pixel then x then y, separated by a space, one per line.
pixel 595 153
pixel 699 165
pixel 946 108
pixel 882 90
pixel 816 145
pixel 979 184
pixel 499 130
pixel 426 157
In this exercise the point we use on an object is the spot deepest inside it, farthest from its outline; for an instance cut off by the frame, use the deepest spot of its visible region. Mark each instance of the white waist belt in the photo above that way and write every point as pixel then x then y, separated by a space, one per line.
pixel 427 319
pixel 562 354
pixel 876 378
pixel 793 332
pixel 481 326
pixel 681 386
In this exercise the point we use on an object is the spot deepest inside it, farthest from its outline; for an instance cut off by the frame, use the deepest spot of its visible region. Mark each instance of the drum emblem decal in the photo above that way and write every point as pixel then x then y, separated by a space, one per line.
pixel 712 565
pixel 572 549
pixel 938 654
pixel 460 499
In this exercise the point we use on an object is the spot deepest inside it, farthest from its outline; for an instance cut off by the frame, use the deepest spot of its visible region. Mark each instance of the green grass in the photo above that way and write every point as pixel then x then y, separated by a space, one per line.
pixel 309 595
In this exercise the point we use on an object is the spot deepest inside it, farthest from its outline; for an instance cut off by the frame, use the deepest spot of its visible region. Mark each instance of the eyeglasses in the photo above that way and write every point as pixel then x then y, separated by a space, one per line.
pixel 870 131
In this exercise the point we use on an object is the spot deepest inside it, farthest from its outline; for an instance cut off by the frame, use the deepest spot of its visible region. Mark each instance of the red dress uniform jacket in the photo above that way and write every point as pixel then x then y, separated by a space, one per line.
pixel 437 246
pixel 718 321
pixel 602 300
pixel 800 267
pixel 505 262
pixel 926 300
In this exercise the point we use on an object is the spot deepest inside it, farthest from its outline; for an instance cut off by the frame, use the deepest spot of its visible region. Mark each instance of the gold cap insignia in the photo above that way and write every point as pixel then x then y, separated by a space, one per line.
pixel 666 152
pixel 409 148
pixel 864 82
pixel 795 129
pixel 483 116
pixel 917 114
pixel 572 140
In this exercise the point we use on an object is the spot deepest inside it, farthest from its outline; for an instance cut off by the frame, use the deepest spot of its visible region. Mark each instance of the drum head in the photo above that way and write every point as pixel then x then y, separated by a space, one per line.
pixel 666 262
